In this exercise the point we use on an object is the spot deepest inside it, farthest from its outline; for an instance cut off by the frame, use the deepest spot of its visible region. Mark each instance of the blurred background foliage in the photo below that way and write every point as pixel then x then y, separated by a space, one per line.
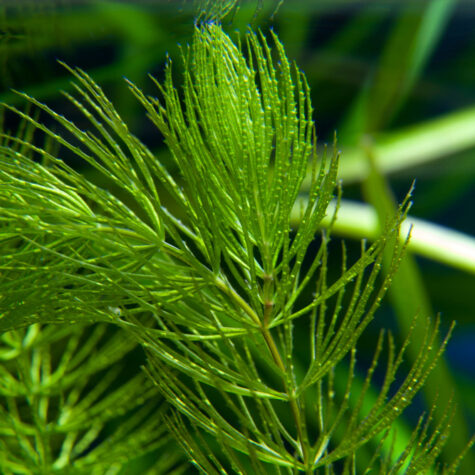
pixel 398 76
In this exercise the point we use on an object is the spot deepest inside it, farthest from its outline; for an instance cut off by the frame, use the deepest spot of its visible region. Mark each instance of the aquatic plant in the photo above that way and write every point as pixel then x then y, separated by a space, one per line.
pixel 247 333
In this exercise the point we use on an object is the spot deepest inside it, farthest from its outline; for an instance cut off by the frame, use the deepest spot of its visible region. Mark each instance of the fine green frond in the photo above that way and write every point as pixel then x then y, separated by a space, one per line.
pixel 242 141
pixel 336 425
pixel 217 10
pixel 212 10
pixel 65 404
pixel 242 318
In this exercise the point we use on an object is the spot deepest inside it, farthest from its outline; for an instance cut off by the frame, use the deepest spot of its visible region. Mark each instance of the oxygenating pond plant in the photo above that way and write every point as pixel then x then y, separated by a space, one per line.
pixel 247 337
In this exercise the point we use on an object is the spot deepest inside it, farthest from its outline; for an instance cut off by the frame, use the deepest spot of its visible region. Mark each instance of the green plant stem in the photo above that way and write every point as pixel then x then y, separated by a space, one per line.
pixel 294 407
pixel 360 221
pixel 274 351
pixel 414 146
pixel 230 292
pixel 410 147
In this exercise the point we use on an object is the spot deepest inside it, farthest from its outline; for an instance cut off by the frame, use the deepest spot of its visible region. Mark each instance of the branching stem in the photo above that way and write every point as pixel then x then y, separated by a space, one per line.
pixel 274 351
pixel 294 407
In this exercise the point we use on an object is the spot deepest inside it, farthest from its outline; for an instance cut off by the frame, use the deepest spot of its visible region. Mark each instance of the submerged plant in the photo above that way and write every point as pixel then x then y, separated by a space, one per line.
pixel 66 405
pixel 248 335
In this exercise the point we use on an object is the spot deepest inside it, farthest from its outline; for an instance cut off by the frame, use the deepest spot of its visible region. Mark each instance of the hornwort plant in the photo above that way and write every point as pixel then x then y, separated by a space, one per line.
pixel 247 337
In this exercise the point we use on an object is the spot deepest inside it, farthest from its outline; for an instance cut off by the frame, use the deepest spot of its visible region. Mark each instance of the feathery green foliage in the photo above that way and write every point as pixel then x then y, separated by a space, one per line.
pixel 64 406
pixel 243 326
pixel 209 10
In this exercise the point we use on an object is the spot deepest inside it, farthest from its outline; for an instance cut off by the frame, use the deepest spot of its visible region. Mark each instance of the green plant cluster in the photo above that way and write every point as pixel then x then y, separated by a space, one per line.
pixel 250 342
pixel 65 407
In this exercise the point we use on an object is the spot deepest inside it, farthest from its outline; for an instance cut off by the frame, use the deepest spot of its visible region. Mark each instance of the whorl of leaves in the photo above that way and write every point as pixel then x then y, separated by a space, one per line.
pixel 243 325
